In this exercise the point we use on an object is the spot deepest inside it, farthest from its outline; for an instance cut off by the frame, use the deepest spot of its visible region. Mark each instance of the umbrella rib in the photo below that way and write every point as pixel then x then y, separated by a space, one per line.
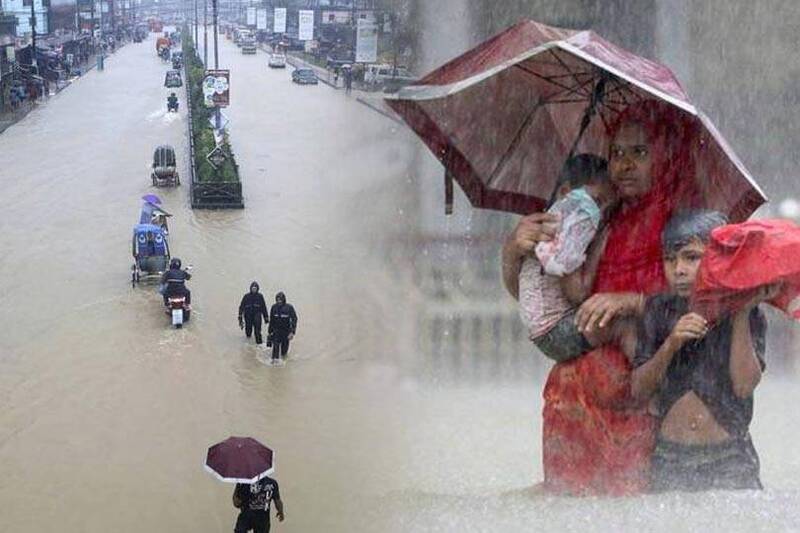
pixel 565 67
pixel 514 143
pixel 569 90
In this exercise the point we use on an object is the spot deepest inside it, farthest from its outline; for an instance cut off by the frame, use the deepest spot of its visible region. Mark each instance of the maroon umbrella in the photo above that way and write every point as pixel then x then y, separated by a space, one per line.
pixel 505 116
pixel 240 460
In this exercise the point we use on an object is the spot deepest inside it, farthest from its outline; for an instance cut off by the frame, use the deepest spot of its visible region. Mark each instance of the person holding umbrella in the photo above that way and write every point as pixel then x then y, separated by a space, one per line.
pixel 248 463
pixel 254 501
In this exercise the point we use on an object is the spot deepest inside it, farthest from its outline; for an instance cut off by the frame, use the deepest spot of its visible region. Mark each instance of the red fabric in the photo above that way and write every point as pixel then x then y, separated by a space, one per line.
pixel 593 442
pixel 740 258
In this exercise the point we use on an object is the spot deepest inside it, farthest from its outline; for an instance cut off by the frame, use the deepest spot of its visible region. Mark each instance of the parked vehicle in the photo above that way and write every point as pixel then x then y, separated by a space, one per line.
pixel 304 76
pixel 377 75
pixel 277 60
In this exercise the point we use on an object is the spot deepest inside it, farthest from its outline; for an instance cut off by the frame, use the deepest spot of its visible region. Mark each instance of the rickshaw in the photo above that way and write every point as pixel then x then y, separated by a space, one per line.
pixel 150 253
pixel 173 79
pixel 165 168
pixel 177 60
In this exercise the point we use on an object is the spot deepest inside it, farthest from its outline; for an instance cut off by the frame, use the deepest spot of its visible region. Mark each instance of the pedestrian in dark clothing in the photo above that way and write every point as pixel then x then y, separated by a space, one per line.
pixel 282 327
pixel 252 308
pixel 254 501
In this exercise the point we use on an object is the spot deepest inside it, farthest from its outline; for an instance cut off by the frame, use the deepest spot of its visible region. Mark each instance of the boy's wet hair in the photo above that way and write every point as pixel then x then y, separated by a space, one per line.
pixel 580 170
pixel 686 226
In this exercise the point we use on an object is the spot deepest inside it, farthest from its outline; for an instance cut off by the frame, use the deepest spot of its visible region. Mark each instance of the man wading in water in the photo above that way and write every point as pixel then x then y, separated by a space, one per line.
pixel 254 501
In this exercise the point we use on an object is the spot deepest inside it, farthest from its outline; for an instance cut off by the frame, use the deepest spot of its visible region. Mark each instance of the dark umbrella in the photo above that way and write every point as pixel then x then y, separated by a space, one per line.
pixel 240 460
pixel 505 116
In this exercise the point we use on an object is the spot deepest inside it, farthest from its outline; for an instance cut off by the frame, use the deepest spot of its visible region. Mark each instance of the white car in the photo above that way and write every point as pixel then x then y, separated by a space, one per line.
pixel 277 61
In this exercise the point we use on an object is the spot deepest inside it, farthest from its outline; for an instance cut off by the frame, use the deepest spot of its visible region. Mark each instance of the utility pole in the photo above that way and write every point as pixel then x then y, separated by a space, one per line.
pixel 195 24
pixel 205 33
pixel 34 59
pixel 216 63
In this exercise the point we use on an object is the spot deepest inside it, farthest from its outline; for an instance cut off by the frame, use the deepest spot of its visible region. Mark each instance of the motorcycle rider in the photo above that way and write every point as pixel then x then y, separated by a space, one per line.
pixel 172 102
pixel 282 327
pixel 252 308
pixel 174 281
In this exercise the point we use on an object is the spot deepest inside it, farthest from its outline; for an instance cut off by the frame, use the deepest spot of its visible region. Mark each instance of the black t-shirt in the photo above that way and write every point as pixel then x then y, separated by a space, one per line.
pixel 701 366
pixel 259 495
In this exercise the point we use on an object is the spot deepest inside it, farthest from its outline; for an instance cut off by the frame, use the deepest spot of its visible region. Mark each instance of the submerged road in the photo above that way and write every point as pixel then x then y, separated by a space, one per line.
pixel 107 412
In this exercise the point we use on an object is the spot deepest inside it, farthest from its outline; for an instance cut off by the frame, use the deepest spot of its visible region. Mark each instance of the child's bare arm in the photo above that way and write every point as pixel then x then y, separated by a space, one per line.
pixel 646 378
pixel 745 368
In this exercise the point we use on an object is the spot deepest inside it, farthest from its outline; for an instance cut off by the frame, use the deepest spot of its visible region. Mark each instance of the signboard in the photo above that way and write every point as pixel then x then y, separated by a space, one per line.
pixel 305 30
pixel 335 17
pixel 366 42
pixel 251 16
pixel 280 20
pixel 261 19
pixel 216 88
pixel 217 157
pixel 11 54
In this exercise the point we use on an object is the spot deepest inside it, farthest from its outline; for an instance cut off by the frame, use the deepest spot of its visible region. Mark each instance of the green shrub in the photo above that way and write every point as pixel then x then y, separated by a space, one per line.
pixel 203 134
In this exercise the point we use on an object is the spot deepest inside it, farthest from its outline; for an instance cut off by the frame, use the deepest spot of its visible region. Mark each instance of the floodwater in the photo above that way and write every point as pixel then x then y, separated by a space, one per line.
pixel 107 411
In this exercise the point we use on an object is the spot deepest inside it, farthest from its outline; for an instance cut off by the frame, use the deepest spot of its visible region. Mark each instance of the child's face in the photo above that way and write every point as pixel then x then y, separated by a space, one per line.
pixel 681 266
pixel 603 193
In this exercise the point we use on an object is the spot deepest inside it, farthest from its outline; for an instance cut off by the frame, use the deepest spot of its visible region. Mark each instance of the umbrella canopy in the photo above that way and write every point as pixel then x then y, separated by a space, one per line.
pixel 240 460
pixel 503 117
pixel 152 199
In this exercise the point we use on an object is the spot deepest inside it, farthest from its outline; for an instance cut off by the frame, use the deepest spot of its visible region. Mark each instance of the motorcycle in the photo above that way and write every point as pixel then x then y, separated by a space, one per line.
pixel 177 308
pixel 172 106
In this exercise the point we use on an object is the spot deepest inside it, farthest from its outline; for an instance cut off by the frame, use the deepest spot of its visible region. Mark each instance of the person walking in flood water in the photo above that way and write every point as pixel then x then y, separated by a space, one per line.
pixel 254 502
pixel 282 327
pixel 251 309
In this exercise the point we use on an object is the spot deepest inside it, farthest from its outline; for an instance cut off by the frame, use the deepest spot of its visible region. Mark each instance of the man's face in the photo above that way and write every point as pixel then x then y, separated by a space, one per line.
pixel 681 267
pixel 630 162
pixel 253 290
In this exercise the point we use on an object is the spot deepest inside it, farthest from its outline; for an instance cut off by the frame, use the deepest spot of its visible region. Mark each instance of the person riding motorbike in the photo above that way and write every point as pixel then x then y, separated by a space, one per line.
pixel 172 102
pixel 174 282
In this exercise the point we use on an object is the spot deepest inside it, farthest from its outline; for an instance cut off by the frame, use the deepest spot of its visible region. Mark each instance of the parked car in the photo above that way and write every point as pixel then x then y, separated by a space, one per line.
pixel 304 76
pixel 379 74
pixel 277 60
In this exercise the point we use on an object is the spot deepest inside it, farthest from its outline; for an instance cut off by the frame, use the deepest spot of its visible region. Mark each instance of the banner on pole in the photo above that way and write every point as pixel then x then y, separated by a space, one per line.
pixel 217 88
pixel 305 30
pixel 366 42
pixel 251 16
pixel 261 19
pixel 280 20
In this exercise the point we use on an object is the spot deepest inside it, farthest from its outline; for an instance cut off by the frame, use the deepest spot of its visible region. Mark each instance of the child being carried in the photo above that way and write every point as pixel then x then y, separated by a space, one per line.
pixel 558 277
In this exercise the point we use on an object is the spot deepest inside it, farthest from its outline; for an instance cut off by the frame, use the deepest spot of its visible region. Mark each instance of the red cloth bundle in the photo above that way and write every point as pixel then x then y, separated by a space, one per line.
pixel 740 258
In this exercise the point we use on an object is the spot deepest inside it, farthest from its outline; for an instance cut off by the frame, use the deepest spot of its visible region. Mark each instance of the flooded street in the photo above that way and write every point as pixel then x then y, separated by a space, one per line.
pixel 108 412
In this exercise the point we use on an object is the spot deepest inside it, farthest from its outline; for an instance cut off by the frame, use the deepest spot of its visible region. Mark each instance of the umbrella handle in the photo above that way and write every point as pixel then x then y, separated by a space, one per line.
pixel 448 193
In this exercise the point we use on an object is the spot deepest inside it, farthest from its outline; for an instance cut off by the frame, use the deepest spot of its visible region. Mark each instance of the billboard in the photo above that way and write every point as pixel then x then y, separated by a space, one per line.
pixel 306 25
pixel 217 88
pixel 251 16
pixel 335 17
pixel 280 20
pixel 261 19
pixel 366 42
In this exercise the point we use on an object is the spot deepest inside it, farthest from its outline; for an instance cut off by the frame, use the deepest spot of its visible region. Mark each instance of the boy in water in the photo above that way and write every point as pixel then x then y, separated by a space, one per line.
pixel 554 280
pixel 699 377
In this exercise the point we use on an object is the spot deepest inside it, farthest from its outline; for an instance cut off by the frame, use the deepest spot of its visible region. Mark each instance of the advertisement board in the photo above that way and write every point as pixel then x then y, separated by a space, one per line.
pixel 251 16
pixel 366 42
pixel 217 88
pixel 335 17
pixel 305 30
pixel 261 19
pixel 280 20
